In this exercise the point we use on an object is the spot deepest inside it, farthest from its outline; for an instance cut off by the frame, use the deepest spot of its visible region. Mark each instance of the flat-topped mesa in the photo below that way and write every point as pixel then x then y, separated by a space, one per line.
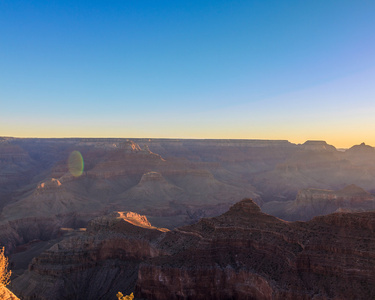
pixel 313 202
pixel 350 193
pixel 319 146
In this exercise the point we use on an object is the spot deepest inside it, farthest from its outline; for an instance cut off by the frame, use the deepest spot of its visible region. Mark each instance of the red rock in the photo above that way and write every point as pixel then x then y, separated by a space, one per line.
pixel 245 254
pixel 242 254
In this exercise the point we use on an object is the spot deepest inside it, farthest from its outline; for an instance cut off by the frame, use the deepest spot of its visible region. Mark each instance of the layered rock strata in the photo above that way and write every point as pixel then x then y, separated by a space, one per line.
pixel 316 202
pixel 242 254
pixel 95 264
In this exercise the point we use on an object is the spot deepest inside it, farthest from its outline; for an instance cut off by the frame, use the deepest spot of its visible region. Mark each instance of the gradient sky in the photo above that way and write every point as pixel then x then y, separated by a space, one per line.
pixel 294 70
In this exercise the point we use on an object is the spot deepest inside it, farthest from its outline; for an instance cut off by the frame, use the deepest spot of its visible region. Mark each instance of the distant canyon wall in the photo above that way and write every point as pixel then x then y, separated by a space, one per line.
pixel 174 182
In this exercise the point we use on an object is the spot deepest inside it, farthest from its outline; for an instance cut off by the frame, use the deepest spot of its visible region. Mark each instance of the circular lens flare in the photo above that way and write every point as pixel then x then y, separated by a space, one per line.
pixel 75 163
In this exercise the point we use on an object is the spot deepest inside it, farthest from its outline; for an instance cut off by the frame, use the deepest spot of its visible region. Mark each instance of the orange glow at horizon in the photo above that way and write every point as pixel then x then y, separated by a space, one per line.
pixel 339 140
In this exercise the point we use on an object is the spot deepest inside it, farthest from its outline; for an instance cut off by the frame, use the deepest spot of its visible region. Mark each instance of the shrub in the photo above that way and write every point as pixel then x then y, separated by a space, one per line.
pixel 120 296
pixel 4 272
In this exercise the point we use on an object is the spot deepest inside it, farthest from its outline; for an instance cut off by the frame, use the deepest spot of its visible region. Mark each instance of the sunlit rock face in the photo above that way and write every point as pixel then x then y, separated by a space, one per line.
pixel 49 185
pixel 6 294
pixel 242 254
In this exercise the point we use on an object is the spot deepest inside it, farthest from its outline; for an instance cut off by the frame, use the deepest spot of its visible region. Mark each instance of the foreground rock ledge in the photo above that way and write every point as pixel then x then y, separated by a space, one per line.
pixel 6 294
pixel 245 254
pixel 242 254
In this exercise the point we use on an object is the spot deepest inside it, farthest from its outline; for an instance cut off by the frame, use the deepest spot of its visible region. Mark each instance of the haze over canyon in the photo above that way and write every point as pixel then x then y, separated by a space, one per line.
pixel 83 218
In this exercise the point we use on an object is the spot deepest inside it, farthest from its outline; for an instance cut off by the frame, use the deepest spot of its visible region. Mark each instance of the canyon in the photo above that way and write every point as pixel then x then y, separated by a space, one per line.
pixel 314 202
pixel 174 183
pixel 241 254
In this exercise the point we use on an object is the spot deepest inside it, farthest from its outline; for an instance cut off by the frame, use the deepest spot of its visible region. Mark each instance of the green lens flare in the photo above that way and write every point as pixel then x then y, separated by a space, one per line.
pixel 75 163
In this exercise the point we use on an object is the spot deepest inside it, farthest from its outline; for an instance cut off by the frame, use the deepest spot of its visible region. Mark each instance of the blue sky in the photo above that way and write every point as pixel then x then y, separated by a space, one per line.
pixel 293 70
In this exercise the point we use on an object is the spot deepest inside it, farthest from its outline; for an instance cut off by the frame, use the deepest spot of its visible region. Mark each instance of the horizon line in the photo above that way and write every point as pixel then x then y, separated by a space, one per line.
pixel 177 138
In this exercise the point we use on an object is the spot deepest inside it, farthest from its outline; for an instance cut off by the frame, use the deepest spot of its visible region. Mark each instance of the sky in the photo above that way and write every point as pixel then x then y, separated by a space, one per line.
pixel 293 70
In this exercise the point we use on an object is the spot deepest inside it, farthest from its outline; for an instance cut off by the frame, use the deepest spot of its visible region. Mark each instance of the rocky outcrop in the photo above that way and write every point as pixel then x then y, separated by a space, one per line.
pixel 362 155
pixel 174 182
pixel 18 232
pixel 245 254
pixel 319 146
pixel 361 149
pixel 6 294
pixel 95 264
pixel 242 254
pixel 49 185
pixel 210 172
pixel 119 174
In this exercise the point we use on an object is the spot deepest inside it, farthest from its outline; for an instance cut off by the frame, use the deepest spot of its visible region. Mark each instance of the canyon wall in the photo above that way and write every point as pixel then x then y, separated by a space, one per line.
pixel 174 182
pixel 314 202
pixel 242 254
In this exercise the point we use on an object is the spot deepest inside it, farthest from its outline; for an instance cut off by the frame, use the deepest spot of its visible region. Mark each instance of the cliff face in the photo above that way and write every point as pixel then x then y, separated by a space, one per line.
pixel 197 178
pixel 317 202
pixel 118 175
pixel 245 254
pixel 173 182
pixel 22 231
pixel 242 254
pixel 95 264
pixel 351 196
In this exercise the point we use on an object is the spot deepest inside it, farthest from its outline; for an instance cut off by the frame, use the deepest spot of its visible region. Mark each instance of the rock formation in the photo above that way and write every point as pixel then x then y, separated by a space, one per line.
pixel 95 264
pixel 22 231
pixel 242 254
pixel 316 202
pixel 174 182
pixel 317 146
pixel 245 254
pixel 6 294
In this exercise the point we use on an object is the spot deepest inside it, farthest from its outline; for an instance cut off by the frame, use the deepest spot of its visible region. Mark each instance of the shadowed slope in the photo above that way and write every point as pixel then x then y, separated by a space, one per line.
pixel 242 254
